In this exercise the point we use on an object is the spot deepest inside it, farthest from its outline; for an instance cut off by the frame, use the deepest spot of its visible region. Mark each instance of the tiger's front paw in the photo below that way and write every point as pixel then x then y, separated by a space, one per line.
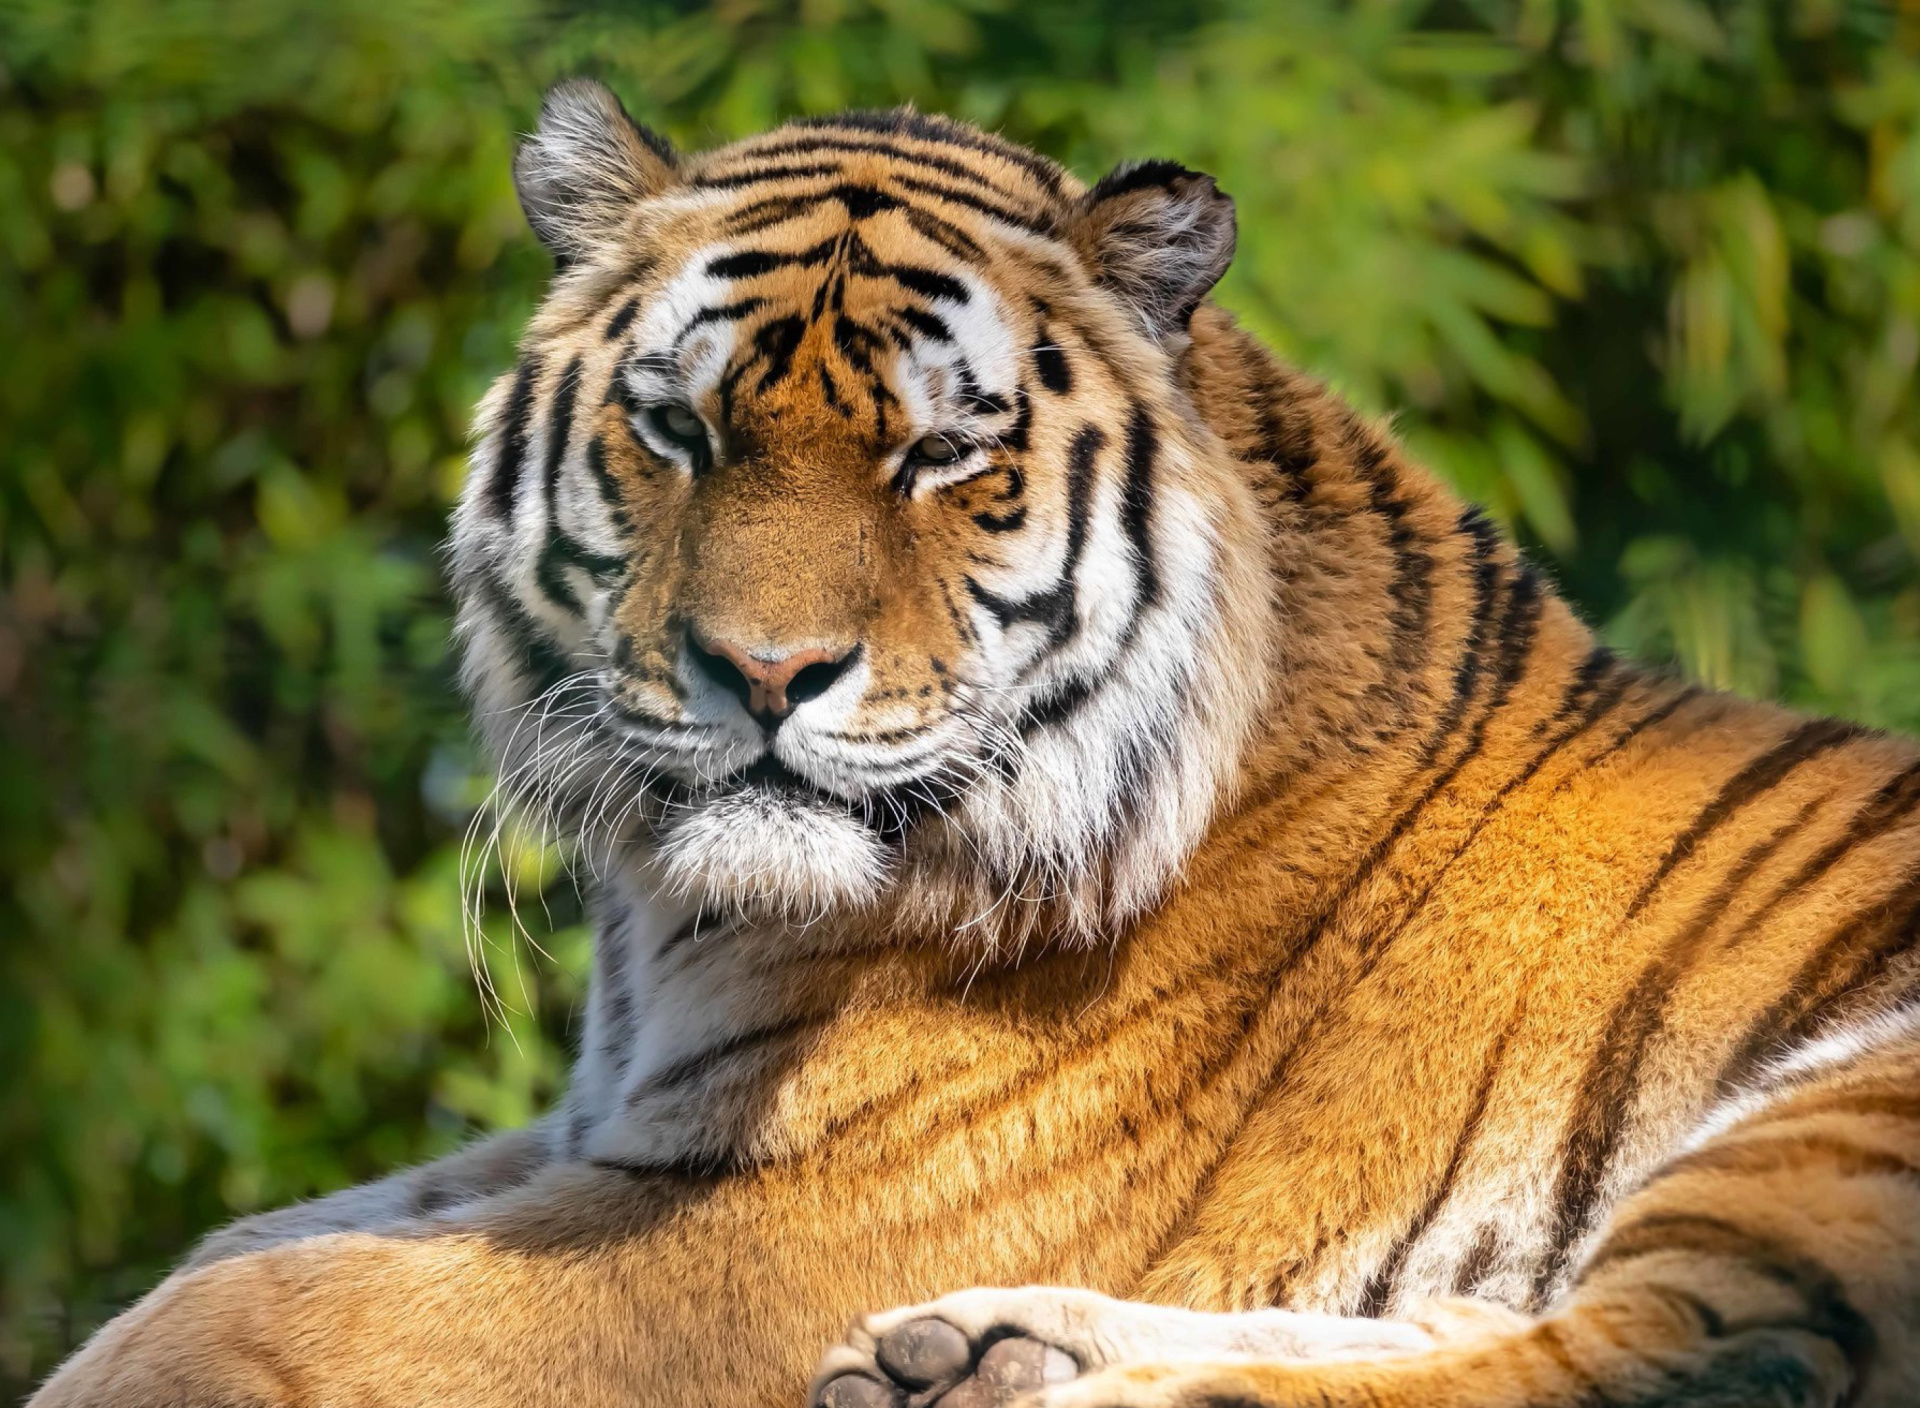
pixel 939 1352
pixel 981 1348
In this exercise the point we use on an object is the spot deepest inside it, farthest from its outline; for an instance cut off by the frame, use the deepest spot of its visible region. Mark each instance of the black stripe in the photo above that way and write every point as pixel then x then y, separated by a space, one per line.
pixel 722 313
pixel 981 403
pixel 1597 686
pixel 1138 176
pixel 1478 1261
pixel 863 202
pixel 993 210
pixel 1650 720
pixel 766 213
pixel 1050 361
pixel 748 264
pixel 857 342
pixel 559 433
pixel 1759 776
pixel 1483 574
pixel 612 980
pixel 774 210
pixel 1411 591
pixel 1895 801
pixel 734 180
pixel 1483 568
pixel 1286 439
pixel 618 324
pixel 776 341
pixel 800 146
pixel 691 1068
pixel 1828 1312
pixel 1857 953
pixel 606 485
pixel 904 122
pixel 752 263
pixel 944 233
pixel 704 923
pixel 1002 522
pixel 1380 1286
pixel 546 664
pixel 505 483
pixel 563 551
pixel 1015 440
pixel 1136 505
pixel 1056 606
pixel 1519 625
pixel 1057 707
pixel 1612 1076
pixel 926 324
pixel 1598 665
pixel 928 283
pixel 603 480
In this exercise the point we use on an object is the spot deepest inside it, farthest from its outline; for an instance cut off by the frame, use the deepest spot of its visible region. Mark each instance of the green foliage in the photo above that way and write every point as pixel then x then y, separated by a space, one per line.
pixel 1644 277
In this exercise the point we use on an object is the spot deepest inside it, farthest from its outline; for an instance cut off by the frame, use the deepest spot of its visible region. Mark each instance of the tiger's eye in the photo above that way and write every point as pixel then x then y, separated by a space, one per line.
pixel 936 449
pixel 681 423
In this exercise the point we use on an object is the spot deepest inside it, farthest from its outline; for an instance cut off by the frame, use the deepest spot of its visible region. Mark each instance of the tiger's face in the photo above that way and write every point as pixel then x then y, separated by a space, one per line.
pixel 844 530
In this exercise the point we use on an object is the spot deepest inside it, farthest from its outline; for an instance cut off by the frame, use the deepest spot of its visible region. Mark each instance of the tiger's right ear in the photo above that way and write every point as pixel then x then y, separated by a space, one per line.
pixel 1158 235
pixel 581 174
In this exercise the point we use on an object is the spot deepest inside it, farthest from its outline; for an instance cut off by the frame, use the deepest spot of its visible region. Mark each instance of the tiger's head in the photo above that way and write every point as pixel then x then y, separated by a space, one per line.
pixel 846 536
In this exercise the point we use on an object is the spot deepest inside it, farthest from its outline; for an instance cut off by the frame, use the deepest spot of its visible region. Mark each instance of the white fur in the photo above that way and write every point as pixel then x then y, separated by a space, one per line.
pixel 769 855
pixel 1831 1050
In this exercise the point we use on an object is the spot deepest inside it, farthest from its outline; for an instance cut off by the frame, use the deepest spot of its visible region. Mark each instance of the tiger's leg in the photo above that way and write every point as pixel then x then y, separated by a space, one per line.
pixel 487 1166
pixel 1778 1264
pixel 546 1293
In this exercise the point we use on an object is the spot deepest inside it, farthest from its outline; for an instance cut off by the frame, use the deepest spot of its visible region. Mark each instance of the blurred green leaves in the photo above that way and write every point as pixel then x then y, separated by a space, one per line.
pixel 1641 275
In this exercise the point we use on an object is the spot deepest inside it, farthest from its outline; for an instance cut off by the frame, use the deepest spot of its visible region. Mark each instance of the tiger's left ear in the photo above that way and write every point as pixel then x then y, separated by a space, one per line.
pixel 1158 235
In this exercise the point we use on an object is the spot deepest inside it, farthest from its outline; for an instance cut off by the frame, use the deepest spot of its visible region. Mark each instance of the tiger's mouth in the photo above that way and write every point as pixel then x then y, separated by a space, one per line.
pixel 890 813
pixel 773 776
pixel 764 841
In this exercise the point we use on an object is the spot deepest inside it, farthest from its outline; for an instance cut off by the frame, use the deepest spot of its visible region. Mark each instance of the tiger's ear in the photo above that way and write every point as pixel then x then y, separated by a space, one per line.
pixel 1158 235
pixel 587 166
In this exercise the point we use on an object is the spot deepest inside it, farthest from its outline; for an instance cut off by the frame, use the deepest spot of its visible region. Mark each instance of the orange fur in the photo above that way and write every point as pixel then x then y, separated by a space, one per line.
pixel 1482 928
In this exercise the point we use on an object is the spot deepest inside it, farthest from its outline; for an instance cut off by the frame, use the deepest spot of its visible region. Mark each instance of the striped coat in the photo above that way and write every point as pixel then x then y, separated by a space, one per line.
pixel 1070 806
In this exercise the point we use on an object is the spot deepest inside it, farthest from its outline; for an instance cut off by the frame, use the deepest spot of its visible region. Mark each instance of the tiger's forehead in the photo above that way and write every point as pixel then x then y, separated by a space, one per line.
pixel 937 171
pixel 850 270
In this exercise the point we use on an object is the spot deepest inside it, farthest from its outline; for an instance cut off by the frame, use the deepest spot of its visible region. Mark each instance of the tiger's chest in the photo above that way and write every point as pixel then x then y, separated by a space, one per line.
pixel 671 989
pixel 1238 1106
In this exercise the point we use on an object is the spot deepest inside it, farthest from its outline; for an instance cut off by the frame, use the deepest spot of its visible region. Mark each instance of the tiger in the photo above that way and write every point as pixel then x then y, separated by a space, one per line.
pixel 1112 887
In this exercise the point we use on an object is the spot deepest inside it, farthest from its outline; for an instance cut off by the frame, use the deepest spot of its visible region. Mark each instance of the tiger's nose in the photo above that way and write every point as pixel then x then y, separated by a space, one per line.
pixel 769 684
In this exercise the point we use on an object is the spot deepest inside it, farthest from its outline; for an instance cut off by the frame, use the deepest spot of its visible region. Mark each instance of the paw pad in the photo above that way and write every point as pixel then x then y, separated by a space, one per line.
pixel 929 1363
pixel 922 1353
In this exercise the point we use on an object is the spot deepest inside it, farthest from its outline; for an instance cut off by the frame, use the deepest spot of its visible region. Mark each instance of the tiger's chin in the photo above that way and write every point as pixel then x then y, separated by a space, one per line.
pixel 769 853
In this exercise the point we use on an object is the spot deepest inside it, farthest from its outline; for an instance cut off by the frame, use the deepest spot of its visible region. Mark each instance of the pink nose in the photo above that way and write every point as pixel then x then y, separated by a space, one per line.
pixel 768 688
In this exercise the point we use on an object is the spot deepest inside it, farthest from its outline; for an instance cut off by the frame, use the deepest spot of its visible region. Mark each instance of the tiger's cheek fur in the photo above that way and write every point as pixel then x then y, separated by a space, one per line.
pixel 642 648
